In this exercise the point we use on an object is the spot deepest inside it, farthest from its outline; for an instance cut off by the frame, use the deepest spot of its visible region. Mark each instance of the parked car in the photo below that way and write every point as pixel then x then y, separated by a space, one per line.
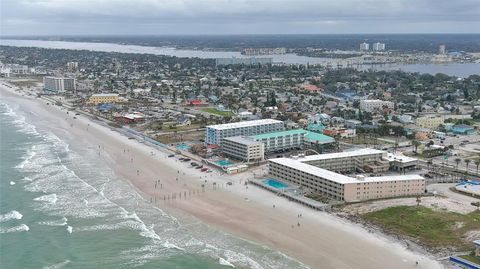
pixel 204 169
pixel 171 155
pixel 186 159
pixel 199 167
pixel 194 164
pixel 181 159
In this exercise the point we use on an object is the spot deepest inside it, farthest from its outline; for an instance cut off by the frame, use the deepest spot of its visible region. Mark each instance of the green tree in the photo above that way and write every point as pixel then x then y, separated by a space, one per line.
pixel 467 162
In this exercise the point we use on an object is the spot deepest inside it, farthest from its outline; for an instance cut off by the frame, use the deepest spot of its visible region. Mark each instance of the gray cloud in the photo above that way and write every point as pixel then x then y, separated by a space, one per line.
pixel 237 16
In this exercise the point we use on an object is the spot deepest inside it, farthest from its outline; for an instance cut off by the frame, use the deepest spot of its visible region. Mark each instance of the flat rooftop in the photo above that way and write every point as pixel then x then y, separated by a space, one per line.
pixel 300 165
pixel 400 158
pixel 345 154
pixel 104 94
pixel 279 134
pixel 338 178
pixel 244 124
pixel 242 140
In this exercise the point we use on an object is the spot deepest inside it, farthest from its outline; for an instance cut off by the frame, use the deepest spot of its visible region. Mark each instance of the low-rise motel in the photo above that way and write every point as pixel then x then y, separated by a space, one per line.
pixel 316 173
pixel 248 148
pixel 105 98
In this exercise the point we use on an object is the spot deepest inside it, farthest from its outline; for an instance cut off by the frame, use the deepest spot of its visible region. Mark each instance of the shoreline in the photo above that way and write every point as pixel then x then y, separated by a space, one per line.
pixel 322 241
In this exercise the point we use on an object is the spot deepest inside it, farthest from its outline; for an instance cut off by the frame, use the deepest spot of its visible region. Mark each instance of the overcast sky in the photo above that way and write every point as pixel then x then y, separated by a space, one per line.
pixel 60 17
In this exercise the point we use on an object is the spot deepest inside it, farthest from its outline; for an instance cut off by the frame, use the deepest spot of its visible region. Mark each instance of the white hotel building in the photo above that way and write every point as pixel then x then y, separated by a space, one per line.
pixel 214 134
pixel 59 84
pixel 311 173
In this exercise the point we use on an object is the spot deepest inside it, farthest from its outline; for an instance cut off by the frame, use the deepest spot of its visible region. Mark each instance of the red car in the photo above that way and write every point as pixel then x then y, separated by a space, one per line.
pixel 204 169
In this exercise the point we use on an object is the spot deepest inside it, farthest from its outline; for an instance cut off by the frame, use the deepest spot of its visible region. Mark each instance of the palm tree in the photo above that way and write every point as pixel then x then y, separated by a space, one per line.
pixel 467 162
pixel 415 144
pixel 457 161
pixel 419 200
pixel 477 163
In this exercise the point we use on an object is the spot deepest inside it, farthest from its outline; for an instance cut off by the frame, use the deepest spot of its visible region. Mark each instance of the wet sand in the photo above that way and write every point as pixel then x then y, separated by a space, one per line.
pixel 318 239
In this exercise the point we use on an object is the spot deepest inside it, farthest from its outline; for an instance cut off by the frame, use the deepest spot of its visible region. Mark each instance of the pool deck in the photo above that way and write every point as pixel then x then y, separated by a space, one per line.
pixel 297 198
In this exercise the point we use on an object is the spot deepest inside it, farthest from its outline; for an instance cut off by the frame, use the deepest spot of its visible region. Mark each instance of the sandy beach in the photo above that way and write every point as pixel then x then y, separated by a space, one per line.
pixel 318 239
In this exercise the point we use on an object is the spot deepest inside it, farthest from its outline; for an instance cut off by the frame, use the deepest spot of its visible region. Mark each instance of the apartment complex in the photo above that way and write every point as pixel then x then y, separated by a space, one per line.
pixel 243 148
pixel 373 105
pixel 364 46
pixel 104 98
pixel 430 122
pixel 72 66
pixel 378 46
pixel 59 84
pixel 281 140
pixel 313 173
pixel 285 140
pixel 214 134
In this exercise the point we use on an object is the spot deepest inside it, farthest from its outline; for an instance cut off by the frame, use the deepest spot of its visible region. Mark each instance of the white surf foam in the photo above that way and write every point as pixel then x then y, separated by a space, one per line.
pixel 194 242
pixel 10 215
pixel 12 183
pixel 60 222
pixel 241 259
pixel 30 154
pixel 69 229
pixel 172 246
pixel 19 228
pixel 19 120
pixel 49 198
pixel 222 261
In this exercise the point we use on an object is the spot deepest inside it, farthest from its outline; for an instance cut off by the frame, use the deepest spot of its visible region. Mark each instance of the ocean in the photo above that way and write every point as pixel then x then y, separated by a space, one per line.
pixel 61 206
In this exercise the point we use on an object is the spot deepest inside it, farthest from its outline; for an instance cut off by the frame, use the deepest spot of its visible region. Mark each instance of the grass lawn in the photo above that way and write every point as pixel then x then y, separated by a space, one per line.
pixel 431 228
pixel 181 128
pixel 215 111
pixel 471 258
pixel 25 83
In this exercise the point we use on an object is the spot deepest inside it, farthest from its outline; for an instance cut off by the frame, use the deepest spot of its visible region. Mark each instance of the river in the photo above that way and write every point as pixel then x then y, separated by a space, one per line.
pixel 453 69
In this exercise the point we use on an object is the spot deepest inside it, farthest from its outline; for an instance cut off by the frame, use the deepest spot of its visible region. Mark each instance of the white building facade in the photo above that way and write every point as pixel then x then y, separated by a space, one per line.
pixel 59 84
pixel 243 148
pixel 310 174
pixel 214 134
pixel 364 46
pixel 378 46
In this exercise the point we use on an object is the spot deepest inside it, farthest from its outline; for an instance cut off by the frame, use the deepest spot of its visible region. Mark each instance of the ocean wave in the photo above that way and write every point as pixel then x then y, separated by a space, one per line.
pixel 29 156
pixel 241 259
pixel 169 245
pixel 194 242
pixel 19 228
pixel 10 215
pixel 19 120
pixel 57 265
pixel 222 261
pixel 49 198
pixel 60 222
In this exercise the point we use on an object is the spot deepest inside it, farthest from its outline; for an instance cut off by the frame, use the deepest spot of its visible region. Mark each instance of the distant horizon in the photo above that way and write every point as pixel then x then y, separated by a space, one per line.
pixel 206 35
pixel 233 17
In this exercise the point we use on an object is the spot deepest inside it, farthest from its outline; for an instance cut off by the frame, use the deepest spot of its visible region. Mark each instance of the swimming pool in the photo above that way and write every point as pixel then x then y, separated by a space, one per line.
pixel 224 163
pixel 276 184
pixel 183 147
